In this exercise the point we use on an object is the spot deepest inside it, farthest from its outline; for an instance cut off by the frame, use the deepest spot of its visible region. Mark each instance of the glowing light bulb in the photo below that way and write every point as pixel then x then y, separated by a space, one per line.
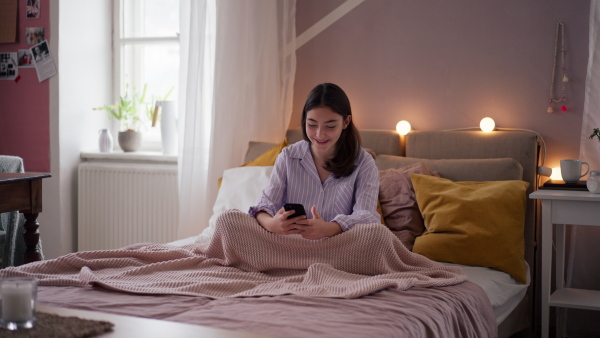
pixel 556 175
pixel 403 127
pixel 487 124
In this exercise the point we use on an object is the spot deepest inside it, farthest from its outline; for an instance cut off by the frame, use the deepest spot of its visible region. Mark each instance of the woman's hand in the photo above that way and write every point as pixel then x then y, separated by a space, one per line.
pixel 280 224
pixel 317 228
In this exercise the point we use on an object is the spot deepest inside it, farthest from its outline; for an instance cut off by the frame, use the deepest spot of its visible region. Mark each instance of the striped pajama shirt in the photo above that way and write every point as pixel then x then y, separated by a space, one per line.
pixel 347 200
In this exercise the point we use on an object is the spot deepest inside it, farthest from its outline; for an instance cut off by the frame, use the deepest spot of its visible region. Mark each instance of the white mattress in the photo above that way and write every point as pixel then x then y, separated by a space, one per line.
pixel 504 292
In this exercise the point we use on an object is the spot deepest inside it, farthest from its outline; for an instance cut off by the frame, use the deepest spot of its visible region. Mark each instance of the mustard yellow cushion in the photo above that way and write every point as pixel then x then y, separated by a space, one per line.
pixel 473 223
pixel 266 159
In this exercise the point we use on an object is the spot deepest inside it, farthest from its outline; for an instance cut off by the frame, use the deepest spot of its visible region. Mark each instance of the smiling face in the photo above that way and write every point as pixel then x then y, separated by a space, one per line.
pixel 323 128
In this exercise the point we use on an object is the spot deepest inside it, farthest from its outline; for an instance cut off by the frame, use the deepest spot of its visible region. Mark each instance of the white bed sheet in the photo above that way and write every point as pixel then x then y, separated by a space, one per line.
pixel 504 292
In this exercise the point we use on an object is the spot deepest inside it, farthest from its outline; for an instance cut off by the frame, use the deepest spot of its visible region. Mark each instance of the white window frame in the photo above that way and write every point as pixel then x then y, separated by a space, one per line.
pixel 152 143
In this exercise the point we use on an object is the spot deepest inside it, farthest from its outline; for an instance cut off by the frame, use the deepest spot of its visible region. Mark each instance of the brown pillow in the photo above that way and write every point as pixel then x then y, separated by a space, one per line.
pixel 399 204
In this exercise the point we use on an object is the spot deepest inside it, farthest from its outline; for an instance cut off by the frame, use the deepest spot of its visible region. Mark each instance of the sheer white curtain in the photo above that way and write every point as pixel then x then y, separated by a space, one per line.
pixel 237 77
pixel 583 270
pixel 590 149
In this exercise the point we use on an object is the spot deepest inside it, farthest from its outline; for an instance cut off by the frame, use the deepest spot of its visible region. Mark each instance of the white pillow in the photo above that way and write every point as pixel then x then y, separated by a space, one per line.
pixel 240 189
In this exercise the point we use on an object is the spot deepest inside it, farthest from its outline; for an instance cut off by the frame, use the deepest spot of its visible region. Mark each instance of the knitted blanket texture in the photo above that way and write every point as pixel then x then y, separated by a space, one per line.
pixel 245 260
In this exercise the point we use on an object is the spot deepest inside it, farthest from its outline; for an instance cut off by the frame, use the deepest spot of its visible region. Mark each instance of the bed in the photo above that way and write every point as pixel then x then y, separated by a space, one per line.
pixel 486 169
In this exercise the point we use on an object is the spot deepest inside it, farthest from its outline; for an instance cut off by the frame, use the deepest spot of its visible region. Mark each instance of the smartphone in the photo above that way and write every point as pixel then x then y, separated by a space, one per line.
pixel 298 208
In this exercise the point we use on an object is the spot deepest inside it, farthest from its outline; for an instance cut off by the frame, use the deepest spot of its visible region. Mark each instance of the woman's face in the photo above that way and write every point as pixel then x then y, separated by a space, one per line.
pixel 323 128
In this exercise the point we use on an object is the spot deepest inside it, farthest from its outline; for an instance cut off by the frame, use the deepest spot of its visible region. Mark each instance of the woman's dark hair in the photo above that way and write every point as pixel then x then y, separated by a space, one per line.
pixel 348 145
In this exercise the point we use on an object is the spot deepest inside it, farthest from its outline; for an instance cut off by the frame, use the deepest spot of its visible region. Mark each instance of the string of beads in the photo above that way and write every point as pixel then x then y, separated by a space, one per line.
pixel 560 32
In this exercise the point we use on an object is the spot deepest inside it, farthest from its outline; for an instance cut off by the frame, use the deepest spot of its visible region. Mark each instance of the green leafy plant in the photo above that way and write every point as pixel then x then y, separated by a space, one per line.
pixel 127 111
pixel 596 134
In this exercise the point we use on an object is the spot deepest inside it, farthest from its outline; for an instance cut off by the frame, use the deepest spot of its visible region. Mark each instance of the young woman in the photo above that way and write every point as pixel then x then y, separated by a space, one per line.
pixel 328 171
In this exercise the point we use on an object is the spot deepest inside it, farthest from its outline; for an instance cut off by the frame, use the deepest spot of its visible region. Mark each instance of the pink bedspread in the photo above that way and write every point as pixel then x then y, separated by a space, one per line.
pixel 244 260
pixel 461 310
pixel 363 282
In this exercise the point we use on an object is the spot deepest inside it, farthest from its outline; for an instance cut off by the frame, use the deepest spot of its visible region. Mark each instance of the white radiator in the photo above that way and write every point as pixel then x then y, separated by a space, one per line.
pixel 122 204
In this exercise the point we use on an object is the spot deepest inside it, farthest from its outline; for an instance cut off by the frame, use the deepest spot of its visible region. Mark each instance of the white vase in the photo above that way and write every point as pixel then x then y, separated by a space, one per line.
pixel 168 127
pixel 105 141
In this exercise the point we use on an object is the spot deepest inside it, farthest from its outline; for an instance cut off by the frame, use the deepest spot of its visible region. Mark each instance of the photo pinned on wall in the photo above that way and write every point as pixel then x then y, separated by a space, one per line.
pixel 9 69
pixel 25 58
pixel 34 35
pixel 43 61
pixel 33 9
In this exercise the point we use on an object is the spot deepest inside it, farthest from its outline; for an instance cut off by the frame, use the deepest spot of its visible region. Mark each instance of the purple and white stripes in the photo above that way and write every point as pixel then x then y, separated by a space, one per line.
pixel 348 200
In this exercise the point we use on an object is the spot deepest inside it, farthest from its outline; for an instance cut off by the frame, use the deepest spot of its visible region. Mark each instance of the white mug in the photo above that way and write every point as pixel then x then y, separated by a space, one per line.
pixel 571 170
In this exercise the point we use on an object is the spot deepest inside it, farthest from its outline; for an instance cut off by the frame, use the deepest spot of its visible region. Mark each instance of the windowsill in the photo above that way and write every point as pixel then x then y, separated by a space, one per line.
pixel 156 157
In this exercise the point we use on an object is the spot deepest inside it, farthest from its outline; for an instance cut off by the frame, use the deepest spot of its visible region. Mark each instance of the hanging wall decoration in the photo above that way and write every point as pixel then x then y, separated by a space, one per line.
pixel 560 35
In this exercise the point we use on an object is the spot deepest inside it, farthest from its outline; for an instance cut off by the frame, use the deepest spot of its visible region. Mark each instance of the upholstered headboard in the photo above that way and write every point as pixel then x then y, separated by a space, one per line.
pixel 522 146
pixel 461 156
pixel 382 142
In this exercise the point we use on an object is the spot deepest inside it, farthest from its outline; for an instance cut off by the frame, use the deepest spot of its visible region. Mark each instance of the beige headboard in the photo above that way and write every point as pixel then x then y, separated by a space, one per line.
pixel 523 146
pixel 497 148
pixel 382 142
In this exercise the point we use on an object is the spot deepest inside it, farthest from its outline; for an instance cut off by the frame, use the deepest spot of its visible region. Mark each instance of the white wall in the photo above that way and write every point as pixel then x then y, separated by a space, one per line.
pixel 81 45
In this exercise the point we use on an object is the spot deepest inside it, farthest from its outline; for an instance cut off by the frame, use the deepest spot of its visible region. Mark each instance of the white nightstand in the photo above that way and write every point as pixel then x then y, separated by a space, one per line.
pixel 561 207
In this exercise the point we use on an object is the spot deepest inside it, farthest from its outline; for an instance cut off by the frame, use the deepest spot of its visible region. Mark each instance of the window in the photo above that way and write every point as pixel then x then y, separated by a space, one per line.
pixel 146 54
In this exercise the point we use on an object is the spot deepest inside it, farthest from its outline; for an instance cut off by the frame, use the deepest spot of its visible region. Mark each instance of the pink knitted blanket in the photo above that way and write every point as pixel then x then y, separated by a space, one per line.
pixel 244 260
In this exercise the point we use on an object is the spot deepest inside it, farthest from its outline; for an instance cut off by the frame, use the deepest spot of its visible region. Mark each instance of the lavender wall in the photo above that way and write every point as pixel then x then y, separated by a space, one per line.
pixel 447 64
pixel 24 104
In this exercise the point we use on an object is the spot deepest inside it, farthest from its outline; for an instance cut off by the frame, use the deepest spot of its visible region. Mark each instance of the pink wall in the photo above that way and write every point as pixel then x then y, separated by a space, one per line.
pixel 447 64
pixel 438 64
pixel 24 105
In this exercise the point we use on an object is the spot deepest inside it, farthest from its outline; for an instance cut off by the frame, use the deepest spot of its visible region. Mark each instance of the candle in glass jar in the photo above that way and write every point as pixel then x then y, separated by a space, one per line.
pixel 17 300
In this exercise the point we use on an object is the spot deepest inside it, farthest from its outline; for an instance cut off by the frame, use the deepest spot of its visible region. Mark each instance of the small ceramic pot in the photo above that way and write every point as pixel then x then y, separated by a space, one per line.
pixel 130 140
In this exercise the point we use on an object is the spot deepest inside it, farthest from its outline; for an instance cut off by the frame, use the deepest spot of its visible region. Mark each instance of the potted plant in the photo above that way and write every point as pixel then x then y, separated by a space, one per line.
pixel 128 115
